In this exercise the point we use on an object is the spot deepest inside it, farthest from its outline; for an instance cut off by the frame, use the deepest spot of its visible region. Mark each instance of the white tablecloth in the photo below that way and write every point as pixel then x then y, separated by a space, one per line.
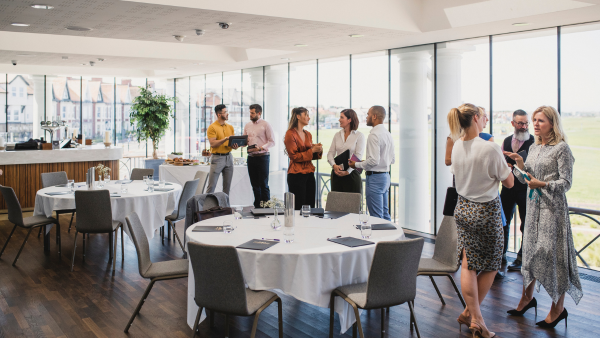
pixel 150 207
pixel 241 189
pixel 308 269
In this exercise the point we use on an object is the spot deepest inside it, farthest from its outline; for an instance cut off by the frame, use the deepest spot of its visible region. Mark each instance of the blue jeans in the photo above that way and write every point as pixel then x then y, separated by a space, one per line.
pixel 377 189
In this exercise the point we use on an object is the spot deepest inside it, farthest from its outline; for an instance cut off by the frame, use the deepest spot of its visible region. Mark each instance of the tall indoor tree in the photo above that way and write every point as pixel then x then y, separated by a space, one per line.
pixel 150 115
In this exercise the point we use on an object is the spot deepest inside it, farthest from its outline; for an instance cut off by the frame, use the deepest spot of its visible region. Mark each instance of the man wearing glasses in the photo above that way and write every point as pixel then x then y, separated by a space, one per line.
pixel 221 160
pixel 519 142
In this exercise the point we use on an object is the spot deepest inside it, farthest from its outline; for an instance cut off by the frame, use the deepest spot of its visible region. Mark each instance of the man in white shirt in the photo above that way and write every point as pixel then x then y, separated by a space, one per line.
pixel 379 156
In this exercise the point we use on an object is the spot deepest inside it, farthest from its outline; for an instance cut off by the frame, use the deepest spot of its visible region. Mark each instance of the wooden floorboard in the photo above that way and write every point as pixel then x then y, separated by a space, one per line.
pixel 41 297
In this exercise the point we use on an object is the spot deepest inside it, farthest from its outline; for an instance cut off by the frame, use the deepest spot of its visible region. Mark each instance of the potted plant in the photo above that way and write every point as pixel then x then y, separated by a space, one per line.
pixel 150 115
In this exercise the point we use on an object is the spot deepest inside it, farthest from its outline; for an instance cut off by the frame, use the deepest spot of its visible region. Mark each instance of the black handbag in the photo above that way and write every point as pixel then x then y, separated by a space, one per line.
pixel 451 200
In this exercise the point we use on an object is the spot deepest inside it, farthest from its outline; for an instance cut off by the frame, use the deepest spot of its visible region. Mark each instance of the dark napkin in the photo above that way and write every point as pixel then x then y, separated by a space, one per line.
pixel 350 241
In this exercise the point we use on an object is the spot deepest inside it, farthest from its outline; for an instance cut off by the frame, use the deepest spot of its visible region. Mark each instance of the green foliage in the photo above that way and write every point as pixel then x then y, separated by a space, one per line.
pixel 150 115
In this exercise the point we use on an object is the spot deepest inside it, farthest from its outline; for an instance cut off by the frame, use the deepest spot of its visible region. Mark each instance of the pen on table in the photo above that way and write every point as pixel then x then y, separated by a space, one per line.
pixel 335 237
pixel 271 239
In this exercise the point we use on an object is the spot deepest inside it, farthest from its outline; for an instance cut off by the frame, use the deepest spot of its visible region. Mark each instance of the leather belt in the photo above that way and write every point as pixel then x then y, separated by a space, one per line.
pixel 258 155
pixel 369 173
pixel 219 154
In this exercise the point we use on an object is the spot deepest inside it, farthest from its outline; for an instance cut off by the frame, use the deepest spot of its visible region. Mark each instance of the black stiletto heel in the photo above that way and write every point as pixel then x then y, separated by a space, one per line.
pixel 562 316
pixel 532 303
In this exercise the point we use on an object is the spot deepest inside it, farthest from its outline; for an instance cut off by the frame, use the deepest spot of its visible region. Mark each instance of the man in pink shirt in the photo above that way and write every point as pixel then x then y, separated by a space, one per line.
pixel 260 139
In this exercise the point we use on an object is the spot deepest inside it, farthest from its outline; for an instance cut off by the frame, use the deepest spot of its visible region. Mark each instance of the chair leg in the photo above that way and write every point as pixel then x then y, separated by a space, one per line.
pixel 457 291
pixel 260 310
pixel 227 326
pixel 382 321
pixel 437 290
pixel 59 238
pixel 176 235
pixel 122 246
pixel 357 315
pixel 23 245
pixel 196 322
pixel 8 239
pixel 139 306
pixel 115 249
pixel 331 314
pixel 84 247
pixel 412 313
pixel 39 232
pixel 74 247
pixel 280 316
pixel 71 223
pixel 354 330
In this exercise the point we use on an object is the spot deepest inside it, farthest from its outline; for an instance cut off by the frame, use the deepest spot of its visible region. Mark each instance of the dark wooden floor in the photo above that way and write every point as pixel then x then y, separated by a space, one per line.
pixel 42 298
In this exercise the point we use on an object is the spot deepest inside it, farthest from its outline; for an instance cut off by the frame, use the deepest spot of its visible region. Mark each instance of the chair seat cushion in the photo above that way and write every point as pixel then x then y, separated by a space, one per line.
pixel 356 292
pixel 29 222
pixel 256 299
pixel 167 268
pixel 431 265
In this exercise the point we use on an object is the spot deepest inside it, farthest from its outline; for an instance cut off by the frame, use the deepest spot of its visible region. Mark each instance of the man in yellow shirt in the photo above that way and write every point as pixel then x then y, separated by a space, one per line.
pixel 221 161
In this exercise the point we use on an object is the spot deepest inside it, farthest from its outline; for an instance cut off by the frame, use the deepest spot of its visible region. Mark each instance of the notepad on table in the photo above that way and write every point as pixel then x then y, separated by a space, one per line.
pixel 257 244
pixel 58 193
pixel 350 241
pixel 208 228
pixel 381 226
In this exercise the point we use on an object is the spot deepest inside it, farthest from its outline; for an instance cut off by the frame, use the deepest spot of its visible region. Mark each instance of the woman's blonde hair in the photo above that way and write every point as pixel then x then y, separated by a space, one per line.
pixel 460 119
pixel 294 117
pixel 557 133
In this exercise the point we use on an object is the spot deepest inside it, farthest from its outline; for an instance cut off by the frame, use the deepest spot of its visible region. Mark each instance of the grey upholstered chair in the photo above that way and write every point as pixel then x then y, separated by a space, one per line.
pixel 172 269
pixel 94 216
pixel 445 257
pixel 392 281
pixel 220 286
pixel 137 174
pixel 15 216
pixel 57 178
pixel 343 202
pixel 202 176
pixel 189 189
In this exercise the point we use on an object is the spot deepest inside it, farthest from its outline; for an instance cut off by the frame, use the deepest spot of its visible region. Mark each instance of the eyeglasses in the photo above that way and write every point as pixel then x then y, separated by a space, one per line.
pixel 521 124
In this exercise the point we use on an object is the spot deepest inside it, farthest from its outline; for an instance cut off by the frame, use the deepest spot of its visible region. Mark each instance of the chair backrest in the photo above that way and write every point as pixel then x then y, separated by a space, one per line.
pixel 446 243
pixel 343 202
pixel 15 214
pixel 137 174
pixel 211 202
pixel 138 236
pixel 218 278
pixel 189 189
pixel 94 213
pixel 393 275
pixel 52 179
pixel 202 176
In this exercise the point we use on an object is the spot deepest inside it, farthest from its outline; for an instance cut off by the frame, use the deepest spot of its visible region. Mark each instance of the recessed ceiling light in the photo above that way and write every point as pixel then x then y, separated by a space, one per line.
pixel 356 35
pixel 300 45
pixel 18 24
pixel 65 57
pixel 78 29
pixel 84 64
pixel 25 55
pixel 42 6
pixel 101 59
pixel 520 24
pixel 179 37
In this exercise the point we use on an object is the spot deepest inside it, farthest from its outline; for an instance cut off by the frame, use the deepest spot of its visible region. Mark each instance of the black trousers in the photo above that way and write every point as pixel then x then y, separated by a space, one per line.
pixel 258 170
pixel 510 198
pixel 303 186
pixel 348 183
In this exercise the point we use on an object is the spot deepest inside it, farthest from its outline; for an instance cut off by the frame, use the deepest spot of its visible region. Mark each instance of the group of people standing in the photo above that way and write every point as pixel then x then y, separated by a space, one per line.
pixel 377 149
pixel 543 167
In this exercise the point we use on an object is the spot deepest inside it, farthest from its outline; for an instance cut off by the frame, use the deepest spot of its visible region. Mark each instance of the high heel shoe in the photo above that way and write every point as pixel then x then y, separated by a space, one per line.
pixel 563 315
pixel 477 331
pixel 462 319
pixel 532 303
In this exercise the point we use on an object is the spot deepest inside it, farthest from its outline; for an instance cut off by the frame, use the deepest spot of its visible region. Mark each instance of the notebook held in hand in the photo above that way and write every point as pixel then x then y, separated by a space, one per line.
pixel 342 159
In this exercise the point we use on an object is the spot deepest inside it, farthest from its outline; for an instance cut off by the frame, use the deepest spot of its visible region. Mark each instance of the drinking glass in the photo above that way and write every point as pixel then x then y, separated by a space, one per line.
pixel 150 184
pixel 306 210
pixel 71 185
pixel 123 188
pixel 106 179
pixel 161 183
pixel 237 215
pixel 365 230
pixel 145 178
pixel 227 227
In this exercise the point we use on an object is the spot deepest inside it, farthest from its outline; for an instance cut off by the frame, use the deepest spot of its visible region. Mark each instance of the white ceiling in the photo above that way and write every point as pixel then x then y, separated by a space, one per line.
pixel 136 36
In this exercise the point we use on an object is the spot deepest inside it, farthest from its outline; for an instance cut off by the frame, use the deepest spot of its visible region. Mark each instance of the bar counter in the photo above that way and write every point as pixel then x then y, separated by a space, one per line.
pixel 23 169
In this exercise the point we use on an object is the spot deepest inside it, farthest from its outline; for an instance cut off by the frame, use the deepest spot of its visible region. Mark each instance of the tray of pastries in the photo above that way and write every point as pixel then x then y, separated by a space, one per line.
pixel 178 161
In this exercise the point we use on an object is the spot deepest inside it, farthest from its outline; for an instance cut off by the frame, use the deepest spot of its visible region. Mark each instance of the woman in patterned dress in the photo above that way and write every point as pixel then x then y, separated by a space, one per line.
pixel 478 167
pixel 549 257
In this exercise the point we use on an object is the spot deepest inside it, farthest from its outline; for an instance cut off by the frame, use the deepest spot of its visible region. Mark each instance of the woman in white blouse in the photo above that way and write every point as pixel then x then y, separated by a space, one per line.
pixel 349 138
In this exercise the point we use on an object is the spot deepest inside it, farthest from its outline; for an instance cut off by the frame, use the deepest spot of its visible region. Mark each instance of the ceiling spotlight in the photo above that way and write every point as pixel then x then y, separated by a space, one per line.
pixel 179 37
pixel 300 45
pixel 100 59
pixel 84 64
pixel 224 25
pixel 65 57
pixel 78 28
pixel 19 24
pixel 200 32
pixel 42 7
pixel 520 24
pixel 92 63
pixel 356 35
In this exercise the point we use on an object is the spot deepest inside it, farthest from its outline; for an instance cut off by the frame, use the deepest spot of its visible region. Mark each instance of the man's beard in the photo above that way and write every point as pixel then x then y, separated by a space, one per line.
pixel 522 135
pixel 254 119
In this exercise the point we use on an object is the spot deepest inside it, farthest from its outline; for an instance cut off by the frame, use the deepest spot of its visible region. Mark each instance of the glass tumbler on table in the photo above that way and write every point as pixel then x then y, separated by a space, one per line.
pixel 71 185
pixel 161 183
pixel 365 227
pixel 150 184
pixel 106 179
pixel 306 210
pixel 227 227
pixel 237 215
pixel 123 188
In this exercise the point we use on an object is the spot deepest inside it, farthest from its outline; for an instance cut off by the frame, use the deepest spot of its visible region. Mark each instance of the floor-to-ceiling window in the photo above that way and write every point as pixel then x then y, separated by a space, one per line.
pixel 580 112
pixel 122 95
pixel 25 97
pixel 3 107
pixel 197 120
pixel 164 87
pixel 214 96
pixel 97 115
pixel 276 112
pixel 183 122
pixel 232 98
pixel 65 104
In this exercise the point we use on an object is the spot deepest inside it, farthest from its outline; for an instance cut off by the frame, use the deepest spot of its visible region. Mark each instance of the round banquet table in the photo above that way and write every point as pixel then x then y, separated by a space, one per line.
pixel 150 207
pixel 308 269
pixel 240 192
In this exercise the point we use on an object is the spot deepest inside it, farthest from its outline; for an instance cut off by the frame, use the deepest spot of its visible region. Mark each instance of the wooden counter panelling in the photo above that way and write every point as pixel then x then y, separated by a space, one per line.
pixel 26 179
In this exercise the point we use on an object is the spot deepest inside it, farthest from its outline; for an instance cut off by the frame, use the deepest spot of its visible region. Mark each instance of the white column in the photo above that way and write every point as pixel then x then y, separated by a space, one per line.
pixel 414 143
pixel 38 105
pixel 448 96
pixel 275 112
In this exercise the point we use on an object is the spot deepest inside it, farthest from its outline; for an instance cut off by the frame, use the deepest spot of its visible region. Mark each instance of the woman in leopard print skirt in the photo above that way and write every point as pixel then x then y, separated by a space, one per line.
pixel 479 167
